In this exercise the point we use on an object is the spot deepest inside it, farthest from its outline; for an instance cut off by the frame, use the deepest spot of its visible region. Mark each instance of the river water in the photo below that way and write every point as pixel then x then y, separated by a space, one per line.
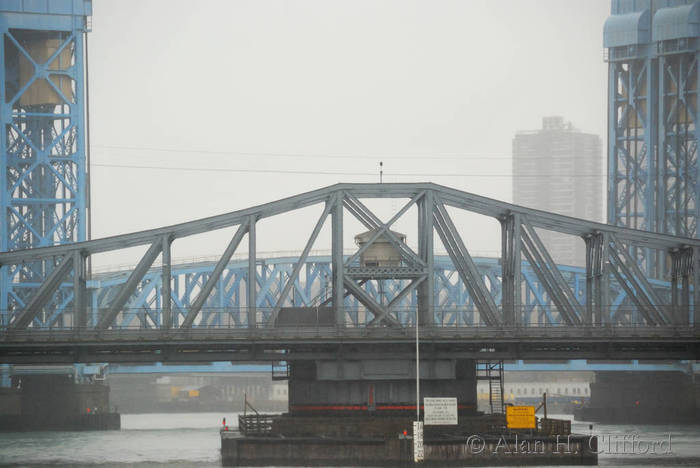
pixel 179 440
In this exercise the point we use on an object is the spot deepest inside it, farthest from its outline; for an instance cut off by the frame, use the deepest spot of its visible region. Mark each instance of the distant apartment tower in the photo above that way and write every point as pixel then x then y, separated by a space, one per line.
pixel 559 169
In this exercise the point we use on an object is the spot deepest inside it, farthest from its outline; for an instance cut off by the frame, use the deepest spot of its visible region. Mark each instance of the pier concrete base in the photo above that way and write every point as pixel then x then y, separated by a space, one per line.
pixel 56 402
pixel 505 450
pixel 378 386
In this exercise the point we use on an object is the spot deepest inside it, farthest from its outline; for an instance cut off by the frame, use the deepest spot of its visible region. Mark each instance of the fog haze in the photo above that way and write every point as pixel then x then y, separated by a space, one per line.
pixel 185 94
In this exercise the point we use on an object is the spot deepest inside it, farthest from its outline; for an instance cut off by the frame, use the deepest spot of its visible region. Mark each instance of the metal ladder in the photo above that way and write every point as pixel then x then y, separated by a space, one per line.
pixel 492 371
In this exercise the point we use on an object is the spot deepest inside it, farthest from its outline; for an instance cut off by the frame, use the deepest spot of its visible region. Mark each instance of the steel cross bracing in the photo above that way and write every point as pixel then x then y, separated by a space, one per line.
pixel 653 116
pixel 43 169
pixel 523 290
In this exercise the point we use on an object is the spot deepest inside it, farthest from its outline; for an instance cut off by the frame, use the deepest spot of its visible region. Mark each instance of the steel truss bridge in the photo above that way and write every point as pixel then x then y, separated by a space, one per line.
pixel 519 306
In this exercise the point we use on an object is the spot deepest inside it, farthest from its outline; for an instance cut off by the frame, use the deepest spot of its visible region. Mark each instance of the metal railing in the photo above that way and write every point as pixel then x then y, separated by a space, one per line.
pixel 236 318
pixel 255 424
pixel 333 333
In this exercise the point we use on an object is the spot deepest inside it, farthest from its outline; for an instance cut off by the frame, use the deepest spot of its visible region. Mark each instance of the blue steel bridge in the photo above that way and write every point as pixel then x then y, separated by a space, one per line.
pixel 227 305
pixel 519 306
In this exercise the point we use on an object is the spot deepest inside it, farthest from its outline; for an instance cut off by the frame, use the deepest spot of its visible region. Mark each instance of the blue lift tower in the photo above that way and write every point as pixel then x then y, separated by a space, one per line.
pixel 652 49
pixel 44 181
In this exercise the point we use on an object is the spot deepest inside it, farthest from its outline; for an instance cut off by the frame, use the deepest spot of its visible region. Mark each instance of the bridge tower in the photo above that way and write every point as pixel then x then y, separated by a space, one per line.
pixel 652 50
pixel 44 180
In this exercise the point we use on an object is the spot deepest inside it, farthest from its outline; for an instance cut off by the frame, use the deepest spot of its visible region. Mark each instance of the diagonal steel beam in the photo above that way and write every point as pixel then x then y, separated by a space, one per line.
pixel 345 294
pixel 559 285
pixel 130 286
pixel 357 212
pixel 631 294
pixel 366 300
pixel 373 222
pixel 639 296
pixel 300 263
pixel 463 262
pixel 44 294
pixel 384 228
pixel 398 298
pixel 214 277
pixel 633 272
pixel 546 281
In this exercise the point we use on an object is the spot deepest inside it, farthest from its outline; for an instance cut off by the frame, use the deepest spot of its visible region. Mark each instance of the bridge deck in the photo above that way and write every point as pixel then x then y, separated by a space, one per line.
pixel 273 344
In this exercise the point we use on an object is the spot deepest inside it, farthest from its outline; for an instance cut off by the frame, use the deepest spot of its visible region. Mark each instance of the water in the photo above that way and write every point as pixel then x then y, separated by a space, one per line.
pixel 179 440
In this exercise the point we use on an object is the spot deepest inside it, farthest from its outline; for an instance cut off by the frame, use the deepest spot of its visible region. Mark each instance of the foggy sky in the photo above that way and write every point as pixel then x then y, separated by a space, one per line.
pixel 432 88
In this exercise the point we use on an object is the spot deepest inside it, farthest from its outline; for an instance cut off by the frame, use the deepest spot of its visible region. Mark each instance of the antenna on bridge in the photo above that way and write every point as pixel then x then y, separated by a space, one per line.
pixel 381 171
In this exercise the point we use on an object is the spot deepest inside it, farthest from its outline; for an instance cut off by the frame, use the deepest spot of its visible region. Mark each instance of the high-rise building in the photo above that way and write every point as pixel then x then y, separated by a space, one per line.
pixel 559 169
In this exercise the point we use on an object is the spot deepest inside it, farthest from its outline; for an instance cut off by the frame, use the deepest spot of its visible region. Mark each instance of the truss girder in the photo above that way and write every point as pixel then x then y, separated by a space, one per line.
pixel 214 277
pixel 294 276
pixel 464 264
pixel 43 294
pixel 628 273
pixel 543 286
pixel 128 288
pixel 370 220
pixel 381 314
pixel 552 280
pixel 454 305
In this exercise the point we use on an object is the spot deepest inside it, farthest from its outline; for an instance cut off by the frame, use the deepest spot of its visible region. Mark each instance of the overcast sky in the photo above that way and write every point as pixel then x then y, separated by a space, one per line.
pixel 197 91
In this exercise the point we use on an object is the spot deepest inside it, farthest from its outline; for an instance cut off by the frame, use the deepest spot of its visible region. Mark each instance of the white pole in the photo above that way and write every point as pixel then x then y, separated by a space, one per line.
pixel 417 372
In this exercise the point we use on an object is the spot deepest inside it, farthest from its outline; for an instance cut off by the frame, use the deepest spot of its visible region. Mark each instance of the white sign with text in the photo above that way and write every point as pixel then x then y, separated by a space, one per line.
pixel 440 411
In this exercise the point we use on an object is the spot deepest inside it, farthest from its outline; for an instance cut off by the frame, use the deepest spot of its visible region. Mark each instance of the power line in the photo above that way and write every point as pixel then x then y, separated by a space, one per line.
pixel 416 156
pixel 389 156
pixel 339 173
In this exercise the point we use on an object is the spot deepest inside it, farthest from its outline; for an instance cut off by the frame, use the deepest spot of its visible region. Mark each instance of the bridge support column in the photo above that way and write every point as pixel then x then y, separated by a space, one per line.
pixel 681 267
pixel 510 265
pixel 337 262
pixel 79 291
pixel 378 387
pixel 640 398
pixel 426 290
pixel 597 284
pixel 165 289
pixel 252 283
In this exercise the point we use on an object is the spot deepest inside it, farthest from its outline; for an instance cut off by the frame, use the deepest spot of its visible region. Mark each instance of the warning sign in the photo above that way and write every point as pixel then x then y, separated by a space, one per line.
pixel 520 417
pixel 440 411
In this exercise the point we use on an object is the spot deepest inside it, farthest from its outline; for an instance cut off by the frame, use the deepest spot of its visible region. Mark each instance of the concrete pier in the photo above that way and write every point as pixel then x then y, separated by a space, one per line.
pixel 378 386
pixel 361 413
pixel 392 448
pixel 56 402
